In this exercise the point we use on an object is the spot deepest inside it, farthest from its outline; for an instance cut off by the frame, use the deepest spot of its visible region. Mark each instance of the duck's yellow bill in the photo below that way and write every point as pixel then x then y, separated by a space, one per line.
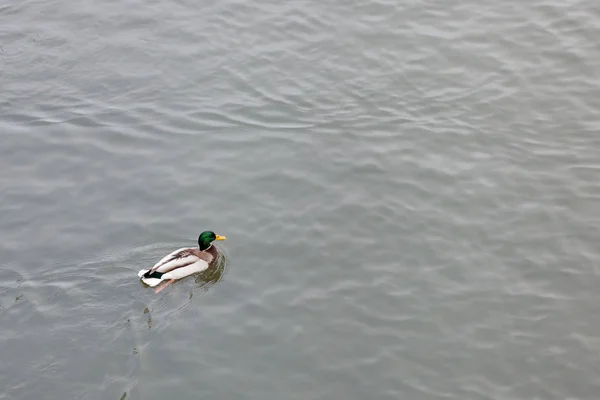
pixel 219 237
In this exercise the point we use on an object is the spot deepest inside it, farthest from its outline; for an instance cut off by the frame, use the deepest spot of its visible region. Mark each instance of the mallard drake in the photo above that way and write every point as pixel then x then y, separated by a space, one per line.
pixel 183 262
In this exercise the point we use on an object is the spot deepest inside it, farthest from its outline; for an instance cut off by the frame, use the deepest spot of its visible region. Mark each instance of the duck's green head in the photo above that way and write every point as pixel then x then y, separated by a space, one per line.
pixel 206 238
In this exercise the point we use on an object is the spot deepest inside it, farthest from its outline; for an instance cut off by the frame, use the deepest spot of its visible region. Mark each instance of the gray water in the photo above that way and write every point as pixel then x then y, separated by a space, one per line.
pixel 409 190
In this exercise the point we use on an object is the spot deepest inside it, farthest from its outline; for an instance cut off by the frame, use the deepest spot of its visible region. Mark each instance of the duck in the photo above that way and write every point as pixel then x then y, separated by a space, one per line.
pixel 183 262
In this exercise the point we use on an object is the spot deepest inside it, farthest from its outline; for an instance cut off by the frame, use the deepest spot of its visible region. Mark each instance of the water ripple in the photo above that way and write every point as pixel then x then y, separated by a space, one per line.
pixel 409 193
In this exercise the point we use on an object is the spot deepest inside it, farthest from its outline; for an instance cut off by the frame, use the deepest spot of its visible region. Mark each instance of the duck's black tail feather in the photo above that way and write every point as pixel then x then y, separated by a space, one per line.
pixel 154 274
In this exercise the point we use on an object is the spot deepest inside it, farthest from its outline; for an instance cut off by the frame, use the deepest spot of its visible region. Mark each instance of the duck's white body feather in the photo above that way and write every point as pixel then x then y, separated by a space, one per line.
pixel 176 265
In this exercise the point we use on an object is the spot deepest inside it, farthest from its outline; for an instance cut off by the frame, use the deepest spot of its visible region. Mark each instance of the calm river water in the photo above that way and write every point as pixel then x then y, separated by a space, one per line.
pixel 410 192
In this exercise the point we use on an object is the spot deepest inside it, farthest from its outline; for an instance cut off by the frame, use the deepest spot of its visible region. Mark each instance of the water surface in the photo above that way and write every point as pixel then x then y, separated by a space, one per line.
pixel 409 191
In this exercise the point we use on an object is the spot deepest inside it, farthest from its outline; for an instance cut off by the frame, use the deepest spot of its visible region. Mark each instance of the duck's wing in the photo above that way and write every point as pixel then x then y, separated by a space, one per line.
pixel 186 262
pixel 177 259
pixel 185 270
pixel 169 257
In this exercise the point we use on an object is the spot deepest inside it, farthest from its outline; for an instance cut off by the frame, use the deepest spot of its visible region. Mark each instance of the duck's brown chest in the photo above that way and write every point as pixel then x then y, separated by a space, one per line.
pixel 214 252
